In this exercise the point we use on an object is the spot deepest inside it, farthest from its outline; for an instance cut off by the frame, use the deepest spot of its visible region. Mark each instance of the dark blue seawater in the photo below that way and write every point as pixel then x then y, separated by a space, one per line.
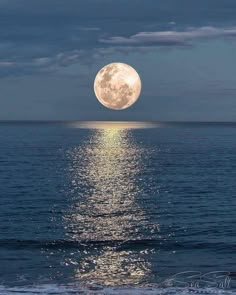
pixel 117 208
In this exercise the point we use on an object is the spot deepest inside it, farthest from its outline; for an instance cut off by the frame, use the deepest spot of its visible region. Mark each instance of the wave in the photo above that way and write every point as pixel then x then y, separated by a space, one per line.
pixel 124 244
pixel 99 290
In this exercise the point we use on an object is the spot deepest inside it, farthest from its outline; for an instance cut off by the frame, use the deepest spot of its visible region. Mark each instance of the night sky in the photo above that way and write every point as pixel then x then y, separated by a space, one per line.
pixel 184 51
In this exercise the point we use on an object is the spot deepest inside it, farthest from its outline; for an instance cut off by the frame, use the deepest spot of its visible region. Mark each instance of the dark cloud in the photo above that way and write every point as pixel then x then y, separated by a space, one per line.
pixel 188 10
pixel 44 35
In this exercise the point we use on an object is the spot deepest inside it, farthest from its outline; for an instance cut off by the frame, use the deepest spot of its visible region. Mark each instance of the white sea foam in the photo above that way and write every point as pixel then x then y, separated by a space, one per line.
pixel 97 290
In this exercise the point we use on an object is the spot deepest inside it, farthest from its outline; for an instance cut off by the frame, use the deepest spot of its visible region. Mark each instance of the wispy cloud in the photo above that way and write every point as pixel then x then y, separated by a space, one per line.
pixel 88 29
pixel 168 38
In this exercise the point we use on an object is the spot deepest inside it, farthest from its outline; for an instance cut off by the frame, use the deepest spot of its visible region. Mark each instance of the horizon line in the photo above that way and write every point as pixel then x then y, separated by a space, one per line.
pixel 114 121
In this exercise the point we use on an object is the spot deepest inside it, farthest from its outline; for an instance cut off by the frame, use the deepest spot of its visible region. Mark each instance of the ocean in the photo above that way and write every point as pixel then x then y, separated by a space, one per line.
pixel 117 208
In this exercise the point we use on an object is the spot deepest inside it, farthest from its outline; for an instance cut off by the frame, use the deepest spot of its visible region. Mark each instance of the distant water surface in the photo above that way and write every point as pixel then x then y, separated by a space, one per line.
pixel 117 208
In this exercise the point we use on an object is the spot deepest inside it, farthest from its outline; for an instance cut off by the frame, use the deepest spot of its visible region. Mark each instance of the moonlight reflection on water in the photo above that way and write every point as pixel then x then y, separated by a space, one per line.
pixel 106 169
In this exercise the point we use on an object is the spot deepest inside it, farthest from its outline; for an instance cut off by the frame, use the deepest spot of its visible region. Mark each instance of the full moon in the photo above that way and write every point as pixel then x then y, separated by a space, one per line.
pixel 117 86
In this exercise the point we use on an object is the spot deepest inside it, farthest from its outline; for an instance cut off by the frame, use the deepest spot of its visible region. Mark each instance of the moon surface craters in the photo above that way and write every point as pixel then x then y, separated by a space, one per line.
pixel 117 86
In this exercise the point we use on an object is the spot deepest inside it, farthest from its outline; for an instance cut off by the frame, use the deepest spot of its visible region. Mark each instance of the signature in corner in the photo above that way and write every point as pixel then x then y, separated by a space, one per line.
pixel 196 279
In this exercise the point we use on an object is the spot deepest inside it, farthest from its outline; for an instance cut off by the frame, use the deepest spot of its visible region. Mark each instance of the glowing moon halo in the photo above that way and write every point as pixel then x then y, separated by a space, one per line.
pixel 117 86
